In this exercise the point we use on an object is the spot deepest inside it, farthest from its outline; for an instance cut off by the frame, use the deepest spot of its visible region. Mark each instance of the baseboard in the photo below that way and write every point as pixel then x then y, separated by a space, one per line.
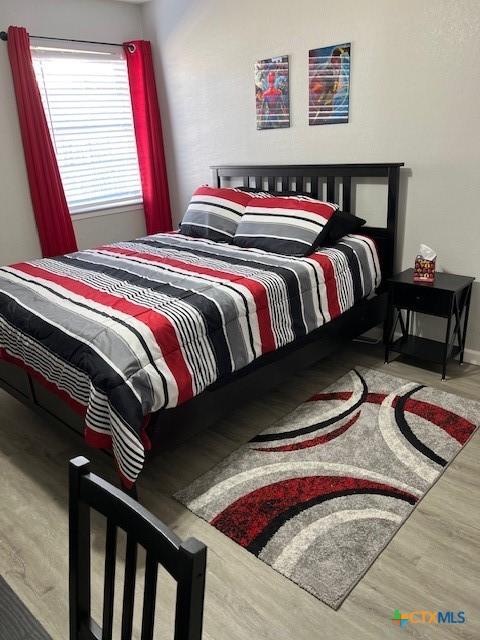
pixel 472 356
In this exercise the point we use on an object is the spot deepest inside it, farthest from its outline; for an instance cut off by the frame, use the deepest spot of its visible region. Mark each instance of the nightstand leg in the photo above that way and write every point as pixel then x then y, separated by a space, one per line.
pixel 457 333
pixel 447 346
pixel 402 324
pixel 407 323
pixel 387 329
pixel 465 323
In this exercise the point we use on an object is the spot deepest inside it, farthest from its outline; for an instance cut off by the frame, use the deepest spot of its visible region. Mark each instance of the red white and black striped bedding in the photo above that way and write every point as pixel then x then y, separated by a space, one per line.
pixel 127 329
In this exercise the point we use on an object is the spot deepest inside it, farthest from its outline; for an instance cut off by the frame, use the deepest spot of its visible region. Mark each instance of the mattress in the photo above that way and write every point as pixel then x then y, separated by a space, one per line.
pixel 127 329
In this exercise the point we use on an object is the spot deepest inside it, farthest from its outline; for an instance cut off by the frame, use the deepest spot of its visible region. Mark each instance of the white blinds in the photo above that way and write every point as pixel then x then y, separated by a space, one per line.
pixel 87 103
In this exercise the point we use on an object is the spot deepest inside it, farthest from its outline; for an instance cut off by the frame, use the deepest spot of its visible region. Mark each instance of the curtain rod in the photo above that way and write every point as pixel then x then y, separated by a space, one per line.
pixel 4 37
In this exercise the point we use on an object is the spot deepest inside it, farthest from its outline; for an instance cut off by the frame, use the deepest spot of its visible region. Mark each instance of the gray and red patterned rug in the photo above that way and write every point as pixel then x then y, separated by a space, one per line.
pixel 321 493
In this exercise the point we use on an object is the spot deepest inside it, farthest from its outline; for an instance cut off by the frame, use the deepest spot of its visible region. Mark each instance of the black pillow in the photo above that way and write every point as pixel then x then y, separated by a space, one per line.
pixel 341 225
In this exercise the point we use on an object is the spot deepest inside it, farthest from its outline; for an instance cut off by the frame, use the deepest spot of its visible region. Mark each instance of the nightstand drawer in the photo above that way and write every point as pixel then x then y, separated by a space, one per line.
pixel 422 299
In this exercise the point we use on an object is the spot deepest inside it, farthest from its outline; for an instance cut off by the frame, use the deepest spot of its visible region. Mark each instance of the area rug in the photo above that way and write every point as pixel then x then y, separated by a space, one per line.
pixel 320 494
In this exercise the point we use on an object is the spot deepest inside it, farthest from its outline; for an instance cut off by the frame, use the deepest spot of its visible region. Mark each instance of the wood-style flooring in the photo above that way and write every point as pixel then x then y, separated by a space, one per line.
pixel 432 563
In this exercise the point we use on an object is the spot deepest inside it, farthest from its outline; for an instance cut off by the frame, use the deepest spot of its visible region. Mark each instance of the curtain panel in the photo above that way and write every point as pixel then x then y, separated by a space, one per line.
pixel 148 134
pixel 53 220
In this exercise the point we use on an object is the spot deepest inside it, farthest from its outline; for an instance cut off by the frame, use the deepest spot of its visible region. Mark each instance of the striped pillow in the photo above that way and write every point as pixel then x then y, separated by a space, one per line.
pixel 214 213
pixel 292 226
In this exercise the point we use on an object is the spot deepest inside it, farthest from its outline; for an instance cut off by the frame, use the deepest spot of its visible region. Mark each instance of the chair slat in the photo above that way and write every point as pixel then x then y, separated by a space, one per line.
pixel 246 181
pixel 314 187
pixel 192 559
pixel 129 588
pixel 109 580
pixel 149 597
pixel 299 184
pixel 79 550
pixel 271 183
pixel 285 183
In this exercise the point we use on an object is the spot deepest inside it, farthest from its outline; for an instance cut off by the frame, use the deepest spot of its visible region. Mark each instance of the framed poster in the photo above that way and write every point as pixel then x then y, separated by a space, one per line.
pixel 329 84
pixel 272 93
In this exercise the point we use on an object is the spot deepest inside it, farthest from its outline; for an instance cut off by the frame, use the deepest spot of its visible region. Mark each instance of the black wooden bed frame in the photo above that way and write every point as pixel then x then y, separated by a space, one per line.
pixel 327 181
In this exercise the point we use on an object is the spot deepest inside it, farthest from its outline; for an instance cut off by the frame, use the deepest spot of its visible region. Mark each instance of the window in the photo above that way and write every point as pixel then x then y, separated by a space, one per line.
pixel 86 98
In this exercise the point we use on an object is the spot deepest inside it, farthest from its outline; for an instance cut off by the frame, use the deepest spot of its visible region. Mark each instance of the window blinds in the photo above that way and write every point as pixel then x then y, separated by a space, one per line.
pixel 87 103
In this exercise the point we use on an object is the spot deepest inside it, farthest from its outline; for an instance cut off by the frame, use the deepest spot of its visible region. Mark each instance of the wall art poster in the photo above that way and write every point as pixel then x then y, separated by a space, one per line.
pixel 329 84
pixel 272 93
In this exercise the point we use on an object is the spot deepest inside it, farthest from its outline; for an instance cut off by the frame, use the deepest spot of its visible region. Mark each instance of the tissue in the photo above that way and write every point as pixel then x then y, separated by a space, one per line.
pixel 425 264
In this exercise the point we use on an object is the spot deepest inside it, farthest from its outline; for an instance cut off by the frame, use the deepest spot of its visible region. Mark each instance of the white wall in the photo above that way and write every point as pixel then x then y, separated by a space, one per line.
pixel 415 94
pixel 102 20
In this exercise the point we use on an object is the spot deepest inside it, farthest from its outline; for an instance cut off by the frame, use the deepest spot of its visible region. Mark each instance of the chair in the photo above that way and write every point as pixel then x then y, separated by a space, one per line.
pixel 185 561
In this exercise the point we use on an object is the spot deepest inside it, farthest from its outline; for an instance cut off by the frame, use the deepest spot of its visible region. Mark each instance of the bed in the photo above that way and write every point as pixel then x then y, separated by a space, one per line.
pixel 128 341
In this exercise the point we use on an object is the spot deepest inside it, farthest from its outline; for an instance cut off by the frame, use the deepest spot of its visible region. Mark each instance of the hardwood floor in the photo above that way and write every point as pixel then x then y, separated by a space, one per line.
pixel 432 563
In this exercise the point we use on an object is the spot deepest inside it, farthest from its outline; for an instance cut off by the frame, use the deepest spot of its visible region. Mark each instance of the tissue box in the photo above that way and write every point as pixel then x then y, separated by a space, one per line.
pixel 424 270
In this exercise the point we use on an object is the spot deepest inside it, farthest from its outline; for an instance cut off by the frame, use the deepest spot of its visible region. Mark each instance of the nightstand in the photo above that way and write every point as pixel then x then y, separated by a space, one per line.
pixel 448 297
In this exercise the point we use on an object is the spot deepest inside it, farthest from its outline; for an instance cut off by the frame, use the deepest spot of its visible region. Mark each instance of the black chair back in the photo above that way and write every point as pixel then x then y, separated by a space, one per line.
pixel 185 561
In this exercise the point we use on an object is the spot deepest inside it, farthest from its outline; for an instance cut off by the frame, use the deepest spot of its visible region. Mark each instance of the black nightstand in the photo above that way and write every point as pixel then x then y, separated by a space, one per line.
pixel 448 297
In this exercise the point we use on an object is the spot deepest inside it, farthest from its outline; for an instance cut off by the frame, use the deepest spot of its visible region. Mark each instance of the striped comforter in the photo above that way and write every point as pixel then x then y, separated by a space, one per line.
pixel 127 329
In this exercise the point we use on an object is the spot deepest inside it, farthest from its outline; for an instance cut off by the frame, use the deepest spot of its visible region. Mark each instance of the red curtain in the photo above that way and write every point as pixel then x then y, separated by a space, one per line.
pixel 148 133
pixel 54 224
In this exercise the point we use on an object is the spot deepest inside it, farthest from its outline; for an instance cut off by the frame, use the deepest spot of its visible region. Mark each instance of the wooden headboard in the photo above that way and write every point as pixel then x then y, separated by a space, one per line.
pixel 309 179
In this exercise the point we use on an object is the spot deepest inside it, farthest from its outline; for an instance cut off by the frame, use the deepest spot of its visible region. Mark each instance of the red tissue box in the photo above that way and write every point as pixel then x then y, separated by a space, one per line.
pixel 424 270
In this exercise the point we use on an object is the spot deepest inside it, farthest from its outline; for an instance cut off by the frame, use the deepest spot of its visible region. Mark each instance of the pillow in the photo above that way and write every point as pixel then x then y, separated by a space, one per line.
pixel 214 213
pixel 254 193
pixel 342 224
pixel 271 194
pixel 291 226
